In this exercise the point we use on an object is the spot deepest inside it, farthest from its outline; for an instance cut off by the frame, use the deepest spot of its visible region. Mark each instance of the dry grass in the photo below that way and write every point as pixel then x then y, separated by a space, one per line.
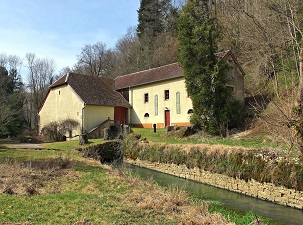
pixel 119 198
pixel 37 178
pixel 173 203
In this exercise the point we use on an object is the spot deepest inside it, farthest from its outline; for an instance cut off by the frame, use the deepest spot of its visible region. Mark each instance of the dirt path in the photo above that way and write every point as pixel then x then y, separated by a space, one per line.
pixel 24 145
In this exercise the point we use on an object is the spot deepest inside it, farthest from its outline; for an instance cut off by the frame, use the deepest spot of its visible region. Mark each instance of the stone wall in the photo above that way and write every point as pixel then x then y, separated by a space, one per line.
pixel 264 191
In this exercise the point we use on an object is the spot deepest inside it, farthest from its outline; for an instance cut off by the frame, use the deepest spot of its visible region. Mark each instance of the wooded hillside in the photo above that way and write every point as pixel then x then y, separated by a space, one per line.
pixel 265 37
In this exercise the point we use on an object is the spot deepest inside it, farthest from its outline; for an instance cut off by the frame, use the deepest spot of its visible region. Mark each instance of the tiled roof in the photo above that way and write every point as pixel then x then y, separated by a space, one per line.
pixel 93 90
pixel 60 81
pixel 149 76
pixel 166 72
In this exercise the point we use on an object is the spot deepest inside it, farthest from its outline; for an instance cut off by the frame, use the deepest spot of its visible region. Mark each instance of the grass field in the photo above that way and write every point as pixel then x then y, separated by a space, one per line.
pixel 174 137
pixel 61 187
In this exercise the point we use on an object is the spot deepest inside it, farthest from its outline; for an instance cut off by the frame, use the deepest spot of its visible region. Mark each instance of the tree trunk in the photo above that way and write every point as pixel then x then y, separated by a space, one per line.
pixel 83 139
pixel 301 99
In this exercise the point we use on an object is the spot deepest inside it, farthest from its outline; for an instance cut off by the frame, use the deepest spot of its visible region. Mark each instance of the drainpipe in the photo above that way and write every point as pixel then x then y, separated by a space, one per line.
pixel 82 129
pixel 131 103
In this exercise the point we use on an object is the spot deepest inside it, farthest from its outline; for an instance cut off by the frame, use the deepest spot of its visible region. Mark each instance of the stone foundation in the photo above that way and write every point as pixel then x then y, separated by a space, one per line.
pixel 264 191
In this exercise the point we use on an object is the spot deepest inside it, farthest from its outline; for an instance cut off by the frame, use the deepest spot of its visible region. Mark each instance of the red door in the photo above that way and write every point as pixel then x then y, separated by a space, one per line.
pixel 167 118
pixel 121 114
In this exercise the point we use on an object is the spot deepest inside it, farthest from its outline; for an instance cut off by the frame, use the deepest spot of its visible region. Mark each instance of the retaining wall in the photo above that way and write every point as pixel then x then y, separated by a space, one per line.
pixel 265 191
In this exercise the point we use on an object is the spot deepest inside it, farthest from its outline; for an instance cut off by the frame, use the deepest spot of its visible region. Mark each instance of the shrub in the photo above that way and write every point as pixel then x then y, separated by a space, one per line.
pixel 56 131
pixel 107 152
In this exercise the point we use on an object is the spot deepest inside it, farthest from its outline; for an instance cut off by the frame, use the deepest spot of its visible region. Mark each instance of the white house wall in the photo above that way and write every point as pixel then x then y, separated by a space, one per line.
pixel 64 103
pixel 61 103
pixel 140 108
pixel 95 115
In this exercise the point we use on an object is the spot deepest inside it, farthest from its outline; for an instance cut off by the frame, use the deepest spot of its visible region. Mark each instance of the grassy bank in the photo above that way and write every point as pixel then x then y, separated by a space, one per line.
pixel 61 187
pixel 177 137
pixel 260 164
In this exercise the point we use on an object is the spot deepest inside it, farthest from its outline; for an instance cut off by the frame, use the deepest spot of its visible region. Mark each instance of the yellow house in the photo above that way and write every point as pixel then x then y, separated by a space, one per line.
pixel 86 99
pixel 154 97
pixel 159 98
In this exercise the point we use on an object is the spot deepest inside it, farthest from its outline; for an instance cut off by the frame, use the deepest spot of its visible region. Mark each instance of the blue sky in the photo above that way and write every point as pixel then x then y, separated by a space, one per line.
pixel 58 29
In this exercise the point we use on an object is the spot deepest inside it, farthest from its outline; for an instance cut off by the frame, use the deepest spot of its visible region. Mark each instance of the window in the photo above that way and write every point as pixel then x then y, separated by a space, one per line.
pixel 59 92
pixel 145 97
pixel 166 94
pixel 178 105
pixel 146 115
pixel 190 111
pixel 156 105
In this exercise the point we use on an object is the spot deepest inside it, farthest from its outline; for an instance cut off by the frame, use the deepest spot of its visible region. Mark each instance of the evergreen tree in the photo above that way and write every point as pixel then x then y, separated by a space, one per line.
pixel 11 98
pixel 150 18
pixel 205 75
pixel 157 33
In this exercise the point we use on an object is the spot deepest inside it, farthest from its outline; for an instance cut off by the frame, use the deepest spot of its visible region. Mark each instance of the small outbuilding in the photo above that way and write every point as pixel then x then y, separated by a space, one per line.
pixel 91 101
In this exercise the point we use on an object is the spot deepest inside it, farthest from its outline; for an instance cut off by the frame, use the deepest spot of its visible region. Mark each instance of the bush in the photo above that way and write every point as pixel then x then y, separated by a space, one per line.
pixel 56 131
pixel 107 152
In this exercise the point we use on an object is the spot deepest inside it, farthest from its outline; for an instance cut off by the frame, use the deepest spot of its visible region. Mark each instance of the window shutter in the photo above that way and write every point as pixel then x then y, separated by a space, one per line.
pixel 156 105
pixel 178 106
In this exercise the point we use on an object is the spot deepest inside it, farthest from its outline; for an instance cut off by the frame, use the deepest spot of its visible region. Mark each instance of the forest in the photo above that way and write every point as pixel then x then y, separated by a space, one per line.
pixel 265 37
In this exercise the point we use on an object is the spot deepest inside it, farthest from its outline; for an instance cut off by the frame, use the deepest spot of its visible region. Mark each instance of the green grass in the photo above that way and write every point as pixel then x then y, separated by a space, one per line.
pixel 93 196
pixel 69 207
pixel 27 154
pixel 236 216
pixel 161 137
pixel 70 145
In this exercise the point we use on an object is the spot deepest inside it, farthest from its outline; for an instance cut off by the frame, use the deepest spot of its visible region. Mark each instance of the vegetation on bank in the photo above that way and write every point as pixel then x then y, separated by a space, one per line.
pixel 62 187
pixel 260 164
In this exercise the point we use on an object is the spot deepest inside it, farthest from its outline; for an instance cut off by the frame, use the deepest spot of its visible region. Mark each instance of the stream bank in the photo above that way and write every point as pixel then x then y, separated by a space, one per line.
pixel 232 200
pixel 264 191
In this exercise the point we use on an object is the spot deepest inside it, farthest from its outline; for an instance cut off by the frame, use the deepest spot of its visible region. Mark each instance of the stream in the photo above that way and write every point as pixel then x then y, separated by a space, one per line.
pixel 232 200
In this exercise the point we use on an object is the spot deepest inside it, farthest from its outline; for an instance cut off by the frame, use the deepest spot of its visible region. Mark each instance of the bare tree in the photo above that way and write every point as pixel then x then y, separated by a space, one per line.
pixel 127 53
pixel 40 76
pixel 11 62
pixel 300 103
pixel 266 37
pixel 261 33
pixel 63 71
pixel 94 60
pixel 3 59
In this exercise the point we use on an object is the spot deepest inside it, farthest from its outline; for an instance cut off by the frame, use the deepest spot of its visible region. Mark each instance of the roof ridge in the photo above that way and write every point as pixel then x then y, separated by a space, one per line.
pixel 58 79
pixel 54 84
pixel 145 70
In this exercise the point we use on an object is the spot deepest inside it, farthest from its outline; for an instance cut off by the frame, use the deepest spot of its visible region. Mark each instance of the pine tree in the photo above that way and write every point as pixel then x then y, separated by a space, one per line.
pixel 150 18
pixel 11 107
pixel 157 33
pixel 204 75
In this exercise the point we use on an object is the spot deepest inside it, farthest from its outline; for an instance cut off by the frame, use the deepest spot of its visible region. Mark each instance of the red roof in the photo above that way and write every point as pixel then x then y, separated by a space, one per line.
pixel 161 73
pixel 149 76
